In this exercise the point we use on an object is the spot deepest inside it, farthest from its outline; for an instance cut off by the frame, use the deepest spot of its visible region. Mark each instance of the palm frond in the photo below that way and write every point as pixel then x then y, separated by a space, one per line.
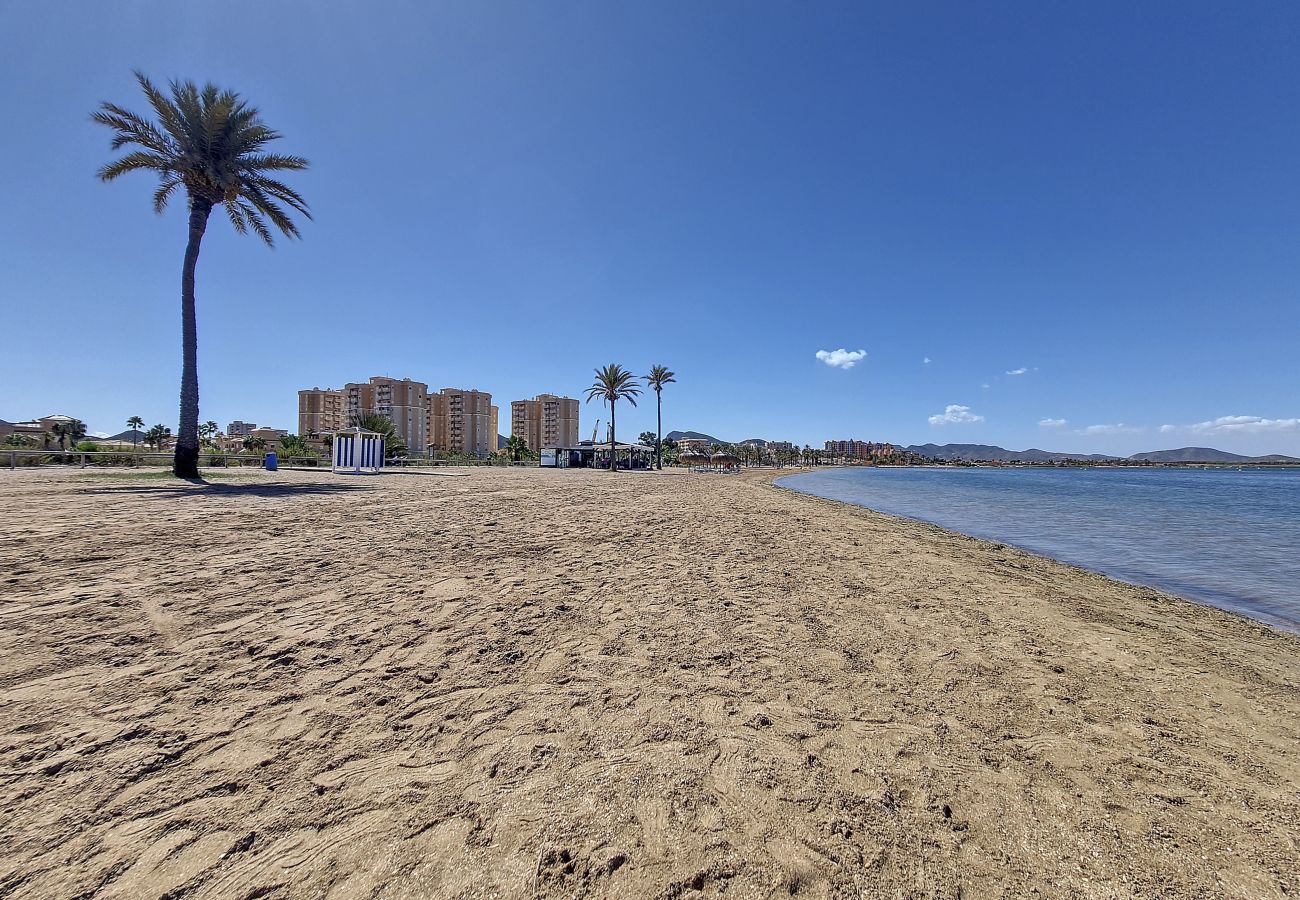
pixel 131 129
pixel 236 217
pixel 272 210
pixel 273 161
pixel 281 191
pixel 167 113
pixel 133 162
pixel 255 221
pixel 164 192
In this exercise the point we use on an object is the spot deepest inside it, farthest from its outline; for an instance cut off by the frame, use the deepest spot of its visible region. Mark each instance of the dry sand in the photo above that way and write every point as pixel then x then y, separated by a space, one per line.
pixel 561 684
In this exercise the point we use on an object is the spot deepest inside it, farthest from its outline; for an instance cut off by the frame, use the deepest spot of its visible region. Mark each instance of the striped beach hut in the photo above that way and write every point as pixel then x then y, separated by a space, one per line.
pixel 358 452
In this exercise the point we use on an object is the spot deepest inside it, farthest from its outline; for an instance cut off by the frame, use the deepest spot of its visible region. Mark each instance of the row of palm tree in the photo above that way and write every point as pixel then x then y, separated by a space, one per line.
pixel 614 383
pixel 158 436
pixel 69 432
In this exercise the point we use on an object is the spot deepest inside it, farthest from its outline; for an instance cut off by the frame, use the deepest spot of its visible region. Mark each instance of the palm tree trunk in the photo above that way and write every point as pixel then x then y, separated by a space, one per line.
pixel 613 441
pixel 186 463
pixel 659 429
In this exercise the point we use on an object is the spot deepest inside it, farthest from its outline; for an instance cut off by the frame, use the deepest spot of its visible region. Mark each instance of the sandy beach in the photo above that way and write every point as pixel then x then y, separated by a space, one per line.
pixel 535 683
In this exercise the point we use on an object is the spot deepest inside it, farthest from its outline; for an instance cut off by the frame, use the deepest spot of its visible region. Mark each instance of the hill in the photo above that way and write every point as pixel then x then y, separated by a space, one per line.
pixel 1206 455
pixel 990 453
pixel 693 436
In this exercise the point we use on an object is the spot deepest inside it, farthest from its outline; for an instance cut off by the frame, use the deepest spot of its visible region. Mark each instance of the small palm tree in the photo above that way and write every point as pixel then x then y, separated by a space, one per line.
pixel 70 431
pixel 157 436
pixel 291 445
pixel 136 424
pixel 254 444
pixel 76 430
pixel 613 383
pixel 516 447
pixel 393 443
pixel 659 377
pixel 211 143
pixel 208 430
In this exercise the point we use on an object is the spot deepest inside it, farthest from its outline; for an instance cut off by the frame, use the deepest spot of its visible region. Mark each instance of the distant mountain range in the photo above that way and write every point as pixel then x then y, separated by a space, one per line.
pixel 988 453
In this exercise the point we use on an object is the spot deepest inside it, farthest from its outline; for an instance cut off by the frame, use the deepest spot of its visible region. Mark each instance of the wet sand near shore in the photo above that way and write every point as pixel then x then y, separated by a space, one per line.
pixel 532 683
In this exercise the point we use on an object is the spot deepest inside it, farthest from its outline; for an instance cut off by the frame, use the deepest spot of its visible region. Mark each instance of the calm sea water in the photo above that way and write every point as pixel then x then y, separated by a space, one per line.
pixel 1227 537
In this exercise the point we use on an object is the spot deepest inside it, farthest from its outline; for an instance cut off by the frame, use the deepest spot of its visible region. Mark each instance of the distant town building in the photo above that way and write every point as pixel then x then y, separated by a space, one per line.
pixel 462 421
pixel 240 429
pixel 321 411
pixel 403 402
pixel 34 429
pixel 270 436
pixel 693 444
pixel 545 421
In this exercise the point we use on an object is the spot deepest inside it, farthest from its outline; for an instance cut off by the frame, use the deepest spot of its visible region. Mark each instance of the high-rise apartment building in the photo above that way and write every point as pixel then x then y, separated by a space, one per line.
pixel 403 402
pixel 545 421
pixel 461 421
pixel 240 429
pixel 859 449
pixel 321 411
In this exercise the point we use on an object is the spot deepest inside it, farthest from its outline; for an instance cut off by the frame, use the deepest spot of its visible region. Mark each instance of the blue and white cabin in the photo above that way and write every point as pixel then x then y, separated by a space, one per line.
pixel 358 452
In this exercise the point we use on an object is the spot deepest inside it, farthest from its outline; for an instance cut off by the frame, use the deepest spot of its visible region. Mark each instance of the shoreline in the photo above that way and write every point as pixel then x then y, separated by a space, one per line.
pixel 563 683
pixel 1284 626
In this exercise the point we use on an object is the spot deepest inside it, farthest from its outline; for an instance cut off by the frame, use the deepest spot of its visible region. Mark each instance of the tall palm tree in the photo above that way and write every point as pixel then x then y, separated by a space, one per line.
pixel 211 143
pixel 613 383
pixel 658 377
pixel 209 430
pixel 136 424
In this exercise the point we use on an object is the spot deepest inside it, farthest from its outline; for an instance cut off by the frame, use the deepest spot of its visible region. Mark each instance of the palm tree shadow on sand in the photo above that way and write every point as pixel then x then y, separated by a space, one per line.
pixel 206 489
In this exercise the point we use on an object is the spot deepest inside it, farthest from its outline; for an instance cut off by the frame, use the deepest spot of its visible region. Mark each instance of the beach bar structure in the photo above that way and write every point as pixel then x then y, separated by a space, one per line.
pixel 588 455
pixel 358 452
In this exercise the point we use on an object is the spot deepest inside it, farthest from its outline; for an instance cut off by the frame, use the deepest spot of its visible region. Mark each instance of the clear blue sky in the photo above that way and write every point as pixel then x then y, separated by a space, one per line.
pixel 1104 194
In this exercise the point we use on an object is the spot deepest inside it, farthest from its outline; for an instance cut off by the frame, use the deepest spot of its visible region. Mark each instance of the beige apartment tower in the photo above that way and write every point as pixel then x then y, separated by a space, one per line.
pixel 402 401
pixel 320 411
pixel 545 421
pixel 461 421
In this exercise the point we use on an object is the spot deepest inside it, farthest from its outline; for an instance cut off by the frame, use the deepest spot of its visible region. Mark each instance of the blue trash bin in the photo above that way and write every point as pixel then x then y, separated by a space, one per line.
pixel 272 464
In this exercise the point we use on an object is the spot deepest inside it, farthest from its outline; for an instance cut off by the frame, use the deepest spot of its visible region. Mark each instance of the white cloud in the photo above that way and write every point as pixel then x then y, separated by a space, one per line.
pixel 1051 423
pixel 1244 424
pixel 926 361
pixel 1165 429
pixel 841 358
pixel 985 385
pixel 1022 370
pixel 953 414
pixel 1119 428
pixel 98 434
